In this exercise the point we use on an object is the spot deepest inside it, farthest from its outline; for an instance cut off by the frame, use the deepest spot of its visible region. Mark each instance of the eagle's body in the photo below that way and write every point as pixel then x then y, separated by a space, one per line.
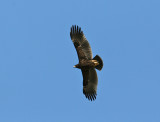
pixel 87 63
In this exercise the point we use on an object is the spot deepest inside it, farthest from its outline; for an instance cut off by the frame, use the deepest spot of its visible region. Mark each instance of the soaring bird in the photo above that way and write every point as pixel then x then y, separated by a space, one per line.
pixel 87 63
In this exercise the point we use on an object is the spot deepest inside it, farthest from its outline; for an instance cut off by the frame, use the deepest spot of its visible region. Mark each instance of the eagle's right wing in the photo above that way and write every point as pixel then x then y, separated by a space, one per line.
pixel 81 44
pixel 90 82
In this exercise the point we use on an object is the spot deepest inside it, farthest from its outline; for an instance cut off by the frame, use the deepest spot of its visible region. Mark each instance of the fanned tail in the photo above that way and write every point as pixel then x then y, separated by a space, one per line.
pixel 100 61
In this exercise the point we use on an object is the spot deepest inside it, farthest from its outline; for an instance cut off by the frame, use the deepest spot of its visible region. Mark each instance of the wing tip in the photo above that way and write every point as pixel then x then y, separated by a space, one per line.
pixel 90 96
pixel 75 29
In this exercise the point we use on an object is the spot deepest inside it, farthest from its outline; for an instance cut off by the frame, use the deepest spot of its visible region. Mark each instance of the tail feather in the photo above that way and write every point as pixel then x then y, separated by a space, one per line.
pixel 100 61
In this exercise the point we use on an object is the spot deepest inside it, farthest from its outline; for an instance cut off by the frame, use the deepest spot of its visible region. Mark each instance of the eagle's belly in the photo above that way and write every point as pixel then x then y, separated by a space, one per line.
pixel 87 63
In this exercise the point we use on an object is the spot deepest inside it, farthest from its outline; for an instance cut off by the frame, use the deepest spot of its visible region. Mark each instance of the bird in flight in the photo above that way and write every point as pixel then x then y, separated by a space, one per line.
pixel 87 63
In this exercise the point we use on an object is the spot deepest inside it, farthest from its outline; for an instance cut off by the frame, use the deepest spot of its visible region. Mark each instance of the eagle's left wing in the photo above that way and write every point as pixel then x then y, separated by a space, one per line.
pixel 90 82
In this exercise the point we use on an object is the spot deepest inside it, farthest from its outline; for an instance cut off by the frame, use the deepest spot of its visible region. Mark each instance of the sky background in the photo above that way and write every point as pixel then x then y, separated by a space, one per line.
pixel 38 82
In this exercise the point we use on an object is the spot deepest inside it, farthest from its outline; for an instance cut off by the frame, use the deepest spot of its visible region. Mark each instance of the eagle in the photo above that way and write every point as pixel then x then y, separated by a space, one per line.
pixel 87 63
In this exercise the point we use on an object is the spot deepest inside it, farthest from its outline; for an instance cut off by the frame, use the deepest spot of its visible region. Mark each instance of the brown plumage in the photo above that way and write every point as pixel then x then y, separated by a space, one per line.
pixel 87 63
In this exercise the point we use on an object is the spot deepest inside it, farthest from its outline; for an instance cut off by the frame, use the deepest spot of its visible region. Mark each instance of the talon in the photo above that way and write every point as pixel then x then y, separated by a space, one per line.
pixel 96 63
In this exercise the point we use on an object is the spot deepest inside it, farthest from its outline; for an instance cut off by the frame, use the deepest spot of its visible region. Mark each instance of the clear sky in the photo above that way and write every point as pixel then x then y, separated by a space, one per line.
pixel 38 82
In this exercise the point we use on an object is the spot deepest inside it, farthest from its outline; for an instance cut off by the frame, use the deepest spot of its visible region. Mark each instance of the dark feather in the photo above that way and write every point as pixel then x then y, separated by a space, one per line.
pixel 90 82
pixel 80 41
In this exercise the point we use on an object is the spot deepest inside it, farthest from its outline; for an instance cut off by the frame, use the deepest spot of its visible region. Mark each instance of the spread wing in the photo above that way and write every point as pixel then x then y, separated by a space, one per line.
pixel 90 82
pixel 81 44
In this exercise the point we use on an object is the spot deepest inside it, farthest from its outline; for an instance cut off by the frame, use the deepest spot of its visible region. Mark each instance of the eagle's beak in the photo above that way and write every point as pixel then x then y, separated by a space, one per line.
pixel 74 66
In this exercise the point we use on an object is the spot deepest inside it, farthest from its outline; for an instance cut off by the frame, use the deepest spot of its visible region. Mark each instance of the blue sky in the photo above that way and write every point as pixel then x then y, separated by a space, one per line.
pixel 38 82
